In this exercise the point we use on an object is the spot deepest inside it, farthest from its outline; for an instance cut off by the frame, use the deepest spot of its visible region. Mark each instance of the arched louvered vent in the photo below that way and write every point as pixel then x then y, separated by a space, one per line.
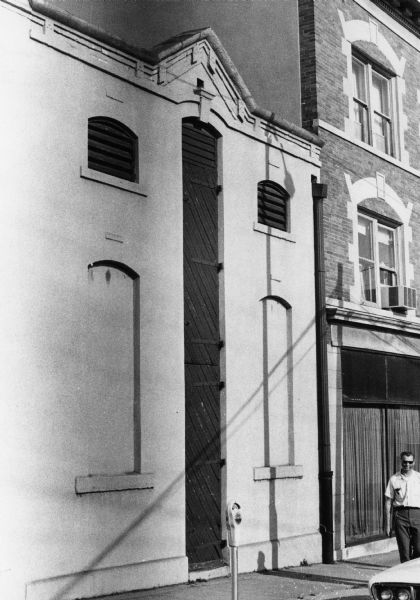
pixel 273 205
pixel 199 146
pixel 112 148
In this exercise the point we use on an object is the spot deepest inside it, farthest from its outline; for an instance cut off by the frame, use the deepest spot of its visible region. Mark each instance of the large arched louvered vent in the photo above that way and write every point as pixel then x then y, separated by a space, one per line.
pixel 273 205
pixel 112 148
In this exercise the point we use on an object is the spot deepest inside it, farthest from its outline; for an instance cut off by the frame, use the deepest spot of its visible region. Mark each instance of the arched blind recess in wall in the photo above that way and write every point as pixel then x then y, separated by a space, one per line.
pixel 112 148
pixel 112 347
pixel 273 205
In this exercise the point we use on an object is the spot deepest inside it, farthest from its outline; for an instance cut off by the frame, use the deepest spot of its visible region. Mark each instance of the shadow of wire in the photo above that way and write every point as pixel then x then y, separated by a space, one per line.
pixel 179 480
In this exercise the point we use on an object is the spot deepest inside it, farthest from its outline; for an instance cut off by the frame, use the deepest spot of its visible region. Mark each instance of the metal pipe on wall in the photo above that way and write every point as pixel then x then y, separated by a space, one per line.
pixel 319 193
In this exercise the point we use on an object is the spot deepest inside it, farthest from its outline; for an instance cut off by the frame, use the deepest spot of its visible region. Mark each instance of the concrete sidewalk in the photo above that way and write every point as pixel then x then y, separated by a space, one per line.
pixel 345 579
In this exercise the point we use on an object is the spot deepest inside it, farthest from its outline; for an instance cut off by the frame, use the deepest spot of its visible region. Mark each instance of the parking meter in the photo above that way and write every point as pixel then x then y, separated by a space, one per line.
pixel 233 522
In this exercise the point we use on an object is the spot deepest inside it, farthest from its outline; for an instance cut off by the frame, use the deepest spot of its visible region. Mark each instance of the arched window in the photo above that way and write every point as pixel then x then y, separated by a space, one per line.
pixel 381 237
pixel 273 205
pixel 112 148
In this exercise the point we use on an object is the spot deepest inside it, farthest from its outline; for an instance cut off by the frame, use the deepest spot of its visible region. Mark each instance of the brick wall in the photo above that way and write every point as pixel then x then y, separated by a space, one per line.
pixel 331 101
pixel 323 70
pixel 340 157
pixel 307 63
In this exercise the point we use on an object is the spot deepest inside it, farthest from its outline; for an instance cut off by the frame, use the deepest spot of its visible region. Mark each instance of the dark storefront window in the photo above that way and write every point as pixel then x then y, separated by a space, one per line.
pixel 381 417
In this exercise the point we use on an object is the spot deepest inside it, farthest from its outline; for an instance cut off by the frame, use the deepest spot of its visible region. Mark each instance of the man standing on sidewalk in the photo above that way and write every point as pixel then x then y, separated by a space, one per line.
pixel 403 496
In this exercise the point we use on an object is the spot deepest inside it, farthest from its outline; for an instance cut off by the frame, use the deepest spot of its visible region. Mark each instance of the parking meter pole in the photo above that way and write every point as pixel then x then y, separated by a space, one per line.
pixel 233 524
pixel 234 569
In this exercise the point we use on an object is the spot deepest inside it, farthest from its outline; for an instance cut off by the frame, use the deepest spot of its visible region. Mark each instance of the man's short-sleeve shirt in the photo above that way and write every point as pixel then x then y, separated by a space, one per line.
pixel 404 491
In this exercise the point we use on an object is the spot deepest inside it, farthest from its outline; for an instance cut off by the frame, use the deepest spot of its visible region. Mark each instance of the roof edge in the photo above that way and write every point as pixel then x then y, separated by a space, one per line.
pixel 47 8
pixel 160 52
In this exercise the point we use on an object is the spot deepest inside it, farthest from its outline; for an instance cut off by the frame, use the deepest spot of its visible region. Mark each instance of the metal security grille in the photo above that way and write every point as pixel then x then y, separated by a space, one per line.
pixel 273 205
pixel 112 148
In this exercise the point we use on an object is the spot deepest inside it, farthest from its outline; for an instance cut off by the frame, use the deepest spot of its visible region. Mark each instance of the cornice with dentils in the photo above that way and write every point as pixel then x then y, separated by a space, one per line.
pixel 158 53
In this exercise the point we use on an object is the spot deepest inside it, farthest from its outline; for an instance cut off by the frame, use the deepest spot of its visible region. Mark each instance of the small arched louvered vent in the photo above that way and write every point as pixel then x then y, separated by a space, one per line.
pixel 112 148
pixel 273 205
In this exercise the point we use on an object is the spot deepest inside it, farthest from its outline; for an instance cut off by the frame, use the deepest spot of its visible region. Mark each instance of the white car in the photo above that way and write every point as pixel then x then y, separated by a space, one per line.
pixel 401 582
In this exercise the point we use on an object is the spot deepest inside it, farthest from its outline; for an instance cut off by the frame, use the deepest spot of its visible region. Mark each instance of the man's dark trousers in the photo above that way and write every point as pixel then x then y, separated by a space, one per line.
pixel 407 532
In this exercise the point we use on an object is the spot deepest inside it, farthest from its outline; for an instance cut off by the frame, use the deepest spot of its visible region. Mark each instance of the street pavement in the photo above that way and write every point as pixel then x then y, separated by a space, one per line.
pixel 344 579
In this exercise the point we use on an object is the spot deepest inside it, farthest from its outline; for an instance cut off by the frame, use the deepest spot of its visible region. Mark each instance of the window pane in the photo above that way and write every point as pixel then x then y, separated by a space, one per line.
pixel 387 277
pixel 365 238
pixel 386 247
pixel 360 121
pixel 367 279
pixel 359 81
pixel 381 133
pixel 386 253
pixel 366 259
pixel 380 100
pixel 363 379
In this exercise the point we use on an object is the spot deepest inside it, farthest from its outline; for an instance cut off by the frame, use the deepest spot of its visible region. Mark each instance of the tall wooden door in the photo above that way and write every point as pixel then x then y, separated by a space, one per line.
pixel 202 345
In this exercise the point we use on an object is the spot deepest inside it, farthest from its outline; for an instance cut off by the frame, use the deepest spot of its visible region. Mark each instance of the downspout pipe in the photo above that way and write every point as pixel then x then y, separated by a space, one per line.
pixel 319 193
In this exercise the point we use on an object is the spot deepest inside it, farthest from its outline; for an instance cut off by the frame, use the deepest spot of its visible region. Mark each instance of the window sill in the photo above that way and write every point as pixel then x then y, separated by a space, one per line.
pixel 91 484
pixel 122 184
pixel 278 472
pixel 277 233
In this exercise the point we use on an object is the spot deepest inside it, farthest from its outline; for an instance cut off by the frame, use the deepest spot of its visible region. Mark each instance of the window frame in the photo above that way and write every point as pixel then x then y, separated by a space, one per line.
pixel 371 69
pixel 377 222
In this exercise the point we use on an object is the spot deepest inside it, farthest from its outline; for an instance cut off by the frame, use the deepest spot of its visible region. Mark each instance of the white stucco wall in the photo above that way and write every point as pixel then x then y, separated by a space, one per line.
pixel 54 224
pixel 258 265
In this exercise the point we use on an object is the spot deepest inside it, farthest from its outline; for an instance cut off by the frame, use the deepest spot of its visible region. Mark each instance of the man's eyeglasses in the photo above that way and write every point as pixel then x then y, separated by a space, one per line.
pixel 407 462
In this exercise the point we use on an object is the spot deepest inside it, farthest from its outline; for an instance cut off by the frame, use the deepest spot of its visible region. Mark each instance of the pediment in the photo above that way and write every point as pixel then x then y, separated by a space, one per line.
pixel 190 65
pixel 198 61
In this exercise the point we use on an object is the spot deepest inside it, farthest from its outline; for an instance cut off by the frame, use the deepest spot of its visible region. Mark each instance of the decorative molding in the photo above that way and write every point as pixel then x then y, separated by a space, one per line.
pixel 71 36
pixel 140 68
pixel 206 99
pixel 380 185
pixel 393 19
pixel 356 30
pixel 346 335
pixel 368 31
pixel 371 319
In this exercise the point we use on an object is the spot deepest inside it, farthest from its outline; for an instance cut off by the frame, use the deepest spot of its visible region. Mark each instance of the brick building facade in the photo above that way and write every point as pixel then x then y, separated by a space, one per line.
pixel 360 72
